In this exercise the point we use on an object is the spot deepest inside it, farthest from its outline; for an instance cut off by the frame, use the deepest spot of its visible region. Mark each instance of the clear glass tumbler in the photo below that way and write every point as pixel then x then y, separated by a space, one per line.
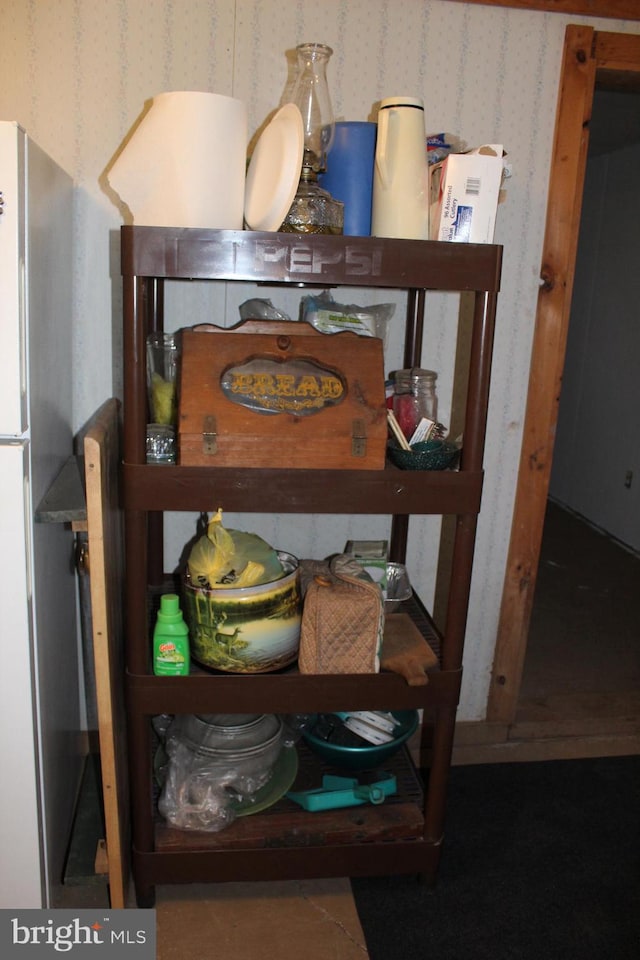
pixel 162 372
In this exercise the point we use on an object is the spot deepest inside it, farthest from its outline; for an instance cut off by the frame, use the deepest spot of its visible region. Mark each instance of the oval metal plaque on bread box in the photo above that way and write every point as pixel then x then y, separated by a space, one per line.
pixel 299 387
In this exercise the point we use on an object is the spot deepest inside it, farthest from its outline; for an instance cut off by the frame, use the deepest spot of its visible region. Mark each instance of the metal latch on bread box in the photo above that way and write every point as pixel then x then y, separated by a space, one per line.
pixel 209 435
pixel 358 439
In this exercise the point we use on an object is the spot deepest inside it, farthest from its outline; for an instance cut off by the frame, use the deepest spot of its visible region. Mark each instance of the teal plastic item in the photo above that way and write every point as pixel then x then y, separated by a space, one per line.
pixel 171 655
pixel 338 792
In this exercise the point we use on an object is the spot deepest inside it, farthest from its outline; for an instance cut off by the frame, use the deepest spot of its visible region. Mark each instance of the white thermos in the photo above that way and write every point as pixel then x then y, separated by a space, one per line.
pixel 400 205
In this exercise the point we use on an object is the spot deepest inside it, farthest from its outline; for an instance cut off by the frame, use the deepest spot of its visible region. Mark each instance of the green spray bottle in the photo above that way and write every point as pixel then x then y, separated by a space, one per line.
pixel 170 639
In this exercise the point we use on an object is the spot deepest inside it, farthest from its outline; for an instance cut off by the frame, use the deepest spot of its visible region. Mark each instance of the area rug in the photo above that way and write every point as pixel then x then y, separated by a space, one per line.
pixel 541 861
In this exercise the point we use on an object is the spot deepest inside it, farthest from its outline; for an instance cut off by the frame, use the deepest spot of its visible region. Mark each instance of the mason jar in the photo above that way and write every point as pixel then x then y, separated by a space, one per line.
pixel 414 398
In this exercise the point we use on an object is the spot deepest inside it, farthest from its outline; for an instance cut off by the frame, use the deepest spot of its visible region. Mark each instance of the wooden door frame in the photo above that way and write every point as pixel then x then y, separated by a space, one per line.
pixel 613 61
pixel 616 9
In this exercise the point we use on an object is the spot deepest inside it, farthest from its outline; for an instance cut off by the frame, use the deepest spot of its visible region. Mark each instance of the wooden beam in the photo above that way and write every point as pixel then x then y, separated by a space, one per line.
pixel 613 9
pixel 105 537
pixel 568 164
pixel 618 61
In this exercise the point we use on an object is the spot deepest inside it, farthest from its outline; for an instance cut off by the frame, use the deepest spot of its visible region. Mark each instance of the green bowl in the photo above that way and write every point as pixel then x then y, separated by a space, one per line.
pixel 366 757
pixel 426 455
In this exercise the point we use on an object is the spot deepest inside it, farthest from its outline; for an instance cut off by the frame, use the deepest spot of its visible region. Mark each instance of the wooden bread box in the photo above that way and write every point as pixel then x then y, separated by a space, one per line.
pixel 271 393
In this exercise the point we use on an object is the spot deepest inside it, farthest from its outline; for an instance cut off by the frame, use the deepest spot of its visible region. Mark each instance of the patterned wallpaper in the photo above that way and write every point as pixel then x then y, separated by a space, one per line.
pixel 76 75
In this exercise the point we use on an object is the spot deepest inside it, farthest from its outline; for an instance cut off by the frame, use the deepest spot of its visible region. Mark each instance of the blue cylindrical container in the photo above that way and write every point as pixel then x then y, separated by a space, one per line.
pixel 349 174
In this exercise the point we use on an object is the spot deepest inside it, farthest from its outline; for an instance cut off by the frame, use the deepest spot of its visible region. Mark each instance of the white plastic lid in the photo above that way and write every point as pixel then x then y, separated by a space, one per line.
pixel 402 102
pixel 274 170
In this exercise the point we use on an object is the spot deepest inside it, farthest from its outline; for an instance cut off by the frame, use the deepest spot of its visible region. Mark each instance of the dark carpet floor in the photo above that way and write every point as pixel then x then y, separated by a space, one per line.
pixel 541 861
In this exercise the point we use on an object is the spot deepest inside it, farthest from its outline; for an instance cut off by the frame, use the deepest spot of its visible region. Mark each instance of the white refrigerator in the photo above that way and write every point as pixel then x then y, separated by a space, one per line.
pixel 40 700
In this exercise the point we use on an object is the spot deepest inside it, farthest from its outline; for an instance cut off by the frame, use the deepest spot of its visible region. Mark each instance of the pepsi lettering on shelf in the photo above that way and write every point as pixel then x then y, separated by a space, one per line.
pixel 300 258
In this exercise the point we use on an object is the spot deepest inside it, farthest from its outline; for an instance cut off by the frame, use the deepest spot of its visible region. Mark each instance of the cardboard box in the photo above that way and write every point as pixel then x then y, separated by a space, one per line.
pixel 373 556
pixel 464 193
pixel 271 393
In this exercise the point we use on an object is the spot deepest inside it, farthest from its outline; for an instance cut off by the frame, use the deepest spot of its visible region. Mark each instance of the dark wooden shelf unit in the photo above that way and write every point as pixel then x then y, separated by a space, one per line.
pixel 407 837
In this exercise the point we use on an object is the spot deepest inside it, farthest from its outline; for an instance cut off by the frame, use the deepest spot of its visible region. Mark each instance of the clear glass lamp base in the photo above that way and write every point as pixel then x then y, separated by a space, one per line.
pixel 314 211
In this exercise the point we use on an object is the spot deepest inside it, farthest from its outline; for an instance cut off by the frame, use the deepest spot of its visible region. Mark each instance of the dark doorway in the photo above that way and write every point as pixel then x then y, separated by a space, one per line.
pixel 582 666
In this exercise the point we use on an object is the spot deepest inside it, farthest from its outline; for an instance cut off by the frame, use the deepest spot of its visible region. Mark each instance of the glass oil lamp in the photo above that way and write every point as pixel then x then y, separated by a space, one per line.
pixel 313 209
